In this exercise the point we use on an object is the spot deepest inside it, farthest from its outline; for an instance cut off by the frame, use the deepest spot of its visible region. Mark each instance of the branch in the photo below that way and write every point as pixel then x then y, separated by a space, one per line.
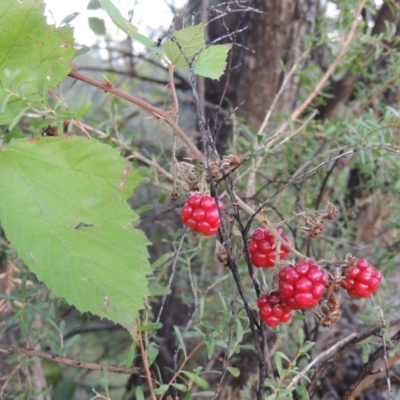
pixel 28 352
pixel 156 112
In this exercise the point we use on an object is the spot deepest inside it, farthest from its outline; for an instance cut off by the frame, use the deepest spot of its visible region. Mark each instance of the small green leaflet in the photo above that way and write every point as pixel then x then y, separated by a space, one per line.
pixel 210 61
pixel 63 206
pixel 46 52
pixel 127 27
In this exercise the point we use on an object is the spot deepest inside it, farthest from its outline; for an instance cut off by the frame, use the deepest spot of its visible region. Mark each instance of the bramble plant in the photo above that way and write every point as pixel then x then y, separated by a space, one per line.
pixel 206 308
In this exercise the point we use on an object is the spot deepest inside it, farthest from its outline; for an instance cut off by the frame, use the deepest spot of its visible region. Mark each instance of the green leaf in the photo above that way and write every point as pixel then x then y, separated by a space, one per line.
pixel 139 394
pixel 63 206
pixel 180 387
pixel 84 109
pixel 131 356
pixel 127 27
pixel 196 379
pixel 300 335
pixel 211 63
pixel 239 331
pixel 278 363
pixel 207 393
pixel 97 25
pixel 152 352
pixel 69 18
pixel 234 371
pixel 191 40
pixel 161 260
pixel 46 52
pixel 161 390
pixel 82 51
pixel 93 5
pixel 151 327
pixel 188 395
pixel 180 340
pixel 284 356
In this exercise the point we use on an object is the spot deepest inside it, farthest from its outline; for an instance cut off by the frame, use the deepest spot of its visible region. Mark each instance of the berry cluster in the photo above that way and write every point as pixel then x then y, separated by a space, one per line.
pixel 272 310
pixel 200 213
pixel 362 279
pixel 303 285
pixel 262 248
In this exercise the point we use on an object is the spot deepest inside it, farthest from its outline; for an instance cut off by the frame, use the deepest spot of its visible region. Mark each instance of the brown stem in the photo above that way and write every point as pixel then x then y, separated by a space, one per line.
pixel 8 350
pixel 146 363
pixel 156 112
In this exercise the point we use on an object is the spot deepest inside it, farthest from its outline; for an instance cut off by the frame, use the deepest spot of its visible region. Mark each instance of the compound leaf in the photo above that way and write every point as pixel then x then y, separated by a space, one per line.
pixel 63 207
pixel 40 55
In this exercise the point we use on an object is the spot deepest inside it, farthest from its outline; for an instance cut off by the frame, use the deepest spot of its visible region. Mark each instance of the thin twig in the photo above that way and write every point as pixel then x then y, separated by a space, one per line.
pixel 184 363
pixel 156 112
pixel 145 362
pixel 320 356
pixel 172 274
pixel 8 350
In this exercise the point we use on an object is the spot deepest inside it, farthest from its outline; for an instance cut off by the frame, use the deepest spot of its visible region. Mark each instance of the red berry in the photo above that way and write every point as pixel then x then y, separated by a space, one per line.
pixel 200 213
pixel 262 248
pixel 272 310
pixel 362 280
pixel 303 285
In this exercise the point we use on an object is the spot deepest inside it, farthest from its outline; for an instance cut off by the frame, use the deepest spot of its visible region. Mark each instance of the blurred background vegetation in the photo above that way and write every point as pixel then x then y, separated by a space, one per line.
pixel 319 79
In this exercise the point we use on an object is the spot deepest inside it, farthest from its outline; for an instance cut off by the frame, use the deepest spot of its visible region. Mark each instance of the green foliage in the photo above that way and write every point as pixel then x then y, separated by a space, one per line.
pixel 63 206
pixel 33 56
pixel 127 27
pixel 188 46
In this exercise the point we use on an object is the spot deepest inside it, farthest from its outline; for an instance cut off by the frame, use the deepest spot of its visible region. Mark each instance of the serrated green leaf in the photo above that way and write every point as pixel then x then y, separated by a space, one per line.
pixel 211 63
pixel 46 52
pixel 191 41
pixel 196 379
pixel 63 207
pixel 127 27
pixel 234 371
pixel 97 25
